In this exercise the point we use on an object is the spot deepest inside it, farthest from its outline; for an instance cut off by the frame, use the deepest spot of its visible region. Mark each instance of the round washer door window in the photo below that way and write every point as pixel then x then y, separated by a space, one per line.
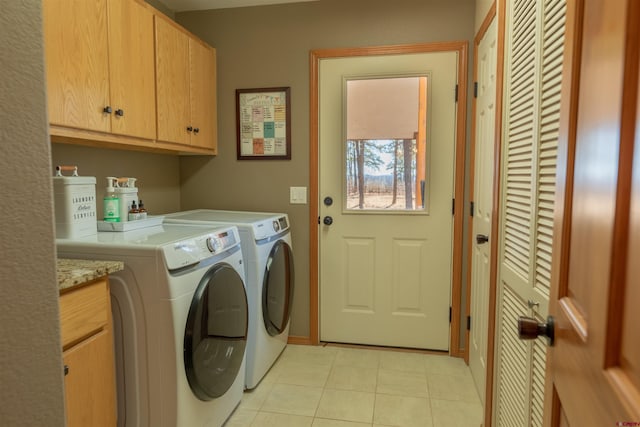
pixel 216 332
pixel 277 288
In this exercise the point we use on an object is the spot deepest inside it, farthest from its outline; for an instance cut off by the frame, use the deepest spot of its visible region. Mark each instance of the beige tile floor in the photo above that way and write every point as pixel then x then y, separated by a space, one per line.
pixel 330 386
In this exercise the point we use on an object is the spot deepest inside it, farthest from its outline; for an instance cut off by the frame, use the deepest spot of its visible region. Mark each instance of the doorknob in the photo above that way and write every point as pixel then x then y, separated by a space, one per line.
pixel 327 220
pixel 328 201
pixel 531 303
pixel 481 239
pixel 530 329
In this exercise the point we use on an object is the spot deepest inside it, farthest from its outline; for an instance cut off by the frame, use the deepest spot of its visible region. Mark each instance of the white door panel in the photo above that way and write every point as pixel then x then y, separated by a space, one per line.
pixel 385 276
pixel 483 203
pixel 534 38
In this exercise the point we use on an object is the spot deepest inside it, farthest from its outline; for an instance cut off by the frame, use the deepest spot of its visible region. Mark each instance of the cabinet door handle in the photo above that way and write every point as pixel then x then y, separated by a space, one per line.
pixel 66 370
pixel 107 109
pixel 189 128
pixel 119 112
pixel 196 130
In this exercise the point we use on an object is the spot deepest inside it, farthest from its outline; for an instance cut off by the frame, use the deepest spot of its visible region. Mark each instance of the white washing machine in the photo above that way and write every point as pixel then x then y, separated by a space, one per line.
pixel 266 245
pixel 180 320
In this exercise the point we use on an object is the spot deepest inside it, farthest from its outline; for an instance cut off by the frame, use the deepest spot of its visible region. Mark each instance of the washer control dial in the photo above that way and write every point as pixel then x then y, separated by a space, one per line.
pixel 276 226
pixel 213 244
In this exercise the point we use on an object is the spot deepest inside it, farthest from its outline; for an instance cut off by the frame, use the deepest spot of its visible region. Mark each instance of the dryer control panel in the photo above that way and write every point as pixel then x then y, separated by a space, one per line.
pixel 269 227
pixel 191 251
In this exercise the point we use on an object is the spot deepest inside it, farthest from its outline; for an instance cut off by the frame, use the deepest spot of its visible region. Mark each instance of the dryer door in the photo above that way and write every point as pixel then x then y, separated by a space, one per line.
pixel 277 288
pixel 216 332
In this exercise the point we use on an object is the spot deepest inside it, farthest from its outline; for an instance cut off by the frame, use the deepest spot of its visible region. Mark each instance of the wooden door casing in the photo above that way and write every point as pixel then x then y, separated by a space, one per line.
pixel 594 374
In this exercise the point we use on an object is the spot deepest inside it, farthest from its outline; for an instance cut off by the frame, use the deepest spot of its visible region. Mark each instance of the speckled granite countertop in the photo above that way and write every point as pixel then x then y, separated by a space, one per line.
pixel 72 272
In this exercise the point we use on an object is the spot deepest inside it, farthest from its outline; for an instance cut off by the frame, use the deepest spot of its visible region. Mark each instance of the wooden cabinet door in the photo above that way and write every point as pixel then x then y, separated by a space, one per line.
pixel 90 382
pixel 75 32
pixel 594 365
pixel 202 65
pixel 172 83
pixel 131 69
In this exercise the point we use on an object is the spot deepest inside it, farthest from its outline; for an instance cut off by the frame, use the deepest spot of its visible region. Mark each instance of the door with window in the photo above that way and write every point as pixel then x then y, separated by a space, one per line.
pixel 387 137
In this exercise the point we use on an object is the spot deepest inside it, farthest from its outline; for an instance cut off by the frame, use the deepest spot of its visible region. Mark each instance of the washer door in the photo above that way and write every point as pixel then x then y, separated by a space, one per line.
pixel 216 332
pixel 277 288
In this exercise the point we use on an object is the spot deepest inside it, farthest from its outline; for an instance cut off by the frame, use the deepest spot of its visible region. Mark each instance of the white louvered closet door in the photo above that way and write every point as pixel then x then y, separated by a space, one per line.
pixel 534 40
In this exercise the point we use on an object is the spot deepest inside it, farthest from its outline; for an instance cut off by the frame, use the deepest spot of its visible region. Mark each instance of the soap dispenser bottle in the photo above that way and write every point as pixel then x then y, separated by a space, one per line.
pixel 111 202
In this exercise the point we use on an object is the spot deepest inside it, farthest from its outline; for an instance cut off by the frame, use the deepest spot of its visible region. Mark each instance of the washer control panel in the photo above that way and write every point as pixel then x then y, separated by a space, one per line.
pixel 191 251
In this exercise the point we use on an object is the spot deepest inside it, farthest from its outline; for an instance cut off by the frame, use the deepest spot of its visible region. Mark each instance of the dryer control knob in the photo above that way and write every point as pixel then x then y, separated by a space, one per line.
pixel 276 226
pixel 213 244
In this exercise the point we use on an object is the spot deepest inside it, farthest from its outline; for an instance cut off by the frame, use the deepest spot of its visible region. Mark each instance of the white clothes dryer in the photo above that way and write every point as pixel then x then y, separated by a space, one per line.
pixel 180 319
pixel 267 249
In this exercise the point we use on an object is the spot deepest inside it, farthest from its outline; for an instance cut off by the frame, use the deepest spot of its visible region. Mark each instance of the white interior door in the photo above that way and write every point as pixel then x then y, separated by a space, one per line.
pixel 534 38
pixel 483 202
pixel 385 265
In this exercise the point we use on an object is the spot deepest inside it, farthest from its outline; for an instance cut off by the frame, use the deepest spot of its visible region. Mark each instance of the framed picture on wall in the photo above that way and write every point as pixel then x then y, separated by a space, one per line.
pixel 263 123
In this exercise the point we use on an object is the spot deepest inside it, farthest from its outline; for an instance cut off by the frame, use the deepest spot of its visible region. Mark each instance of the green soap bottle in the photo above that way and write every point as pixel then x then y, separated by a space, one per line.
pixel 111 202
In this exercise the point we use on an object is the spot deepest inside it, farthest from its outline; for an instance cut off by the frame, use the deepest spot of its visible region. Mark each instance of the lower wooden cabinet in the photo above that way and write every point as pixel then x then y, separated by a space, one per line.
pixel 88 355
pixel 89 382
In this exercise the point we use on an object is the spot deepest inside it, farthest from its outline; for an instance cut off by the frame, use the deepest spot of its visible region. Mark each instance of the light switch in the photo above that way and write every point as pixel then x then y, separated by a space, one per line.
pixel 298 195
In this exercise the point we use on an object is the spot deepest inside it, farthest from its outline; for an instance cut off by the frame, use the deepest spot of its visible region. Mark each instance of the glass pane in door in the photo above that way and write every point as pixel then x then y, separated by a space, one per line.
pixel 385 153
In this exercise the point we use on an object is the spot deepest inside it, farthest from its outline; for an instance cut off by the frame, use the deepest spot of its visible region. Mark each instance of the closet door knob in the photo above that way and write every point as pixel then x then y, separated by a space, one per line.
pixel 119 112
pixel 196 130
pixel 529 329
pixel 481 239
pixel 189 128
pixel 107 110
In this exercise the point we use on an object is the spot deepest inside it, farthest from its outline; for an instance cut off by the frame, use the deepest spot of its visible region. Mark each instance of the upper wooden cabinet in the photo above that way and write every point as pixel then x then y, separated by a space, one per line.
pixel 77 62
pixel 202 62
pixel 172 83
pixel 99 57
pixel 108 70
pixel 185 88
pixel 131 68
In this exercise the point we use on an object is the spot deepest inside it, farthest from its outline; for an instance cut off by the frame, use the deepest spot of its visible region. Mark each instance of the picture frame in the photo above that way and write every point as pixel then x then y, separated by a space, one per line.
pixel 263 123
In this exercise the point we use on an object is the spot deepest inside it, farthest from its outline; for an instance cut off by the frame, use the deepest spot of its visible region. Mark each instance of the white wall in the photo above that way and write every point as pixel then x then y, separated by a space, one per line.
pixel 31 374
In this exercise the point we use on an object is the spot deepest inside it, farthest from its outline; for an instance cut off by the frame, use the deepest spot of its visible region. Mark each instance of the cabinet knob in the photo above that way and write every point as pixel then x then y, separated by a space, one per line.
pixel 196 130
pixel 66 370
pixel 119 112
pixel 189 128
pixel 107 110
